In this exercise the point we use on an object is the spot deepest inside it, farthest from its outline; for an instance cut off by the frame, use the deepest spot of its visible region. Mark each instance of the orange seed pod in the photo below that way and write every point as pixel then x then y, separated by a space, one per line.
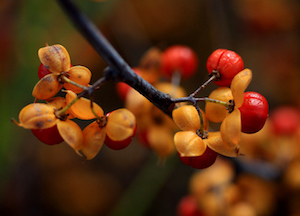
pixel 187 118
pixel 121 124
pixel 71 133
pixel 47 87
pixel 93 139
pixel 215 142
pixel 80 75
pixel 82 107
pixel 216 112
pixel 189 144
pixel 55 58
pixel 37 116
pixel 238 86
pixel 161 141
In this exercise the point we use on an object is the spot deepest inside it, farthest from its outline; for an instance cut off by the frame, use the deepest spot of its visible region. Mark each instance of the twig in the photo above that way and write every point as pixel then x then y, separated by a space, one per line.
pixel 118 69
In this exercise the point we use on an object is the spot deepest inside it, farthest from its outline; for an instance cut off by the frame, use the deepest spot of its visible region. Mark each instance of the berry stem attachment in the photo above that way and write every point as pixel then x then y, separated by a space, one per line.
pixel 61 113
pixel 67 80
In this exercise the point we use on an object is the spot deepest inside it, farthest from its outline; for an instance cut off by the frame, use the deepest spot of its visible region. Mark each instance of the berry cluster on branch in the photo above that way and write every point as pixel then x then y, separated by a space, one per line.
pixel 152 94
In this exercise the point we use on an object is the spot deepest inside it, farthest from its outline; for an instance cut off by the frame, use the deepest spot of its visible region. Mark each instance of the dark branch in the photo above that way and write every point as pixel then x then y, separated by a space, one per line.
pixel 118 69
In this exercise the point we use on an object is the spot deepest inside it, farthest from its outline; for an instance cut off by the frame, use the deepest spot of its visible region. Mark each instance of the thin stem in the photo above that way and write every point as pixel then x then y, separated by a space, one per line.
pixel 211 78
pixel 60 113
pixel 67 80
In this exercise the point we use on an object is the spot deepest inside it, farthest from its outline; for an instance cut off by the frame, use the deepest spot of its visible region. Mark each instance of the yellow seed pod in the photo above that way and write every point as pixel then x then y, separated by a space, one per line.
pixel 137 103
pixel 37 116
pixel 216 112
pixel 187 118
pixel 169 88
pixel 80 75
pixel 189 144
pixel 121 124
pixel 59 103
pixel 82 107
pixel 47 87
pixel 93 139
pixel 231 129
pixel 71 133
pixel 161 141
pixel 215 142
pixel 238 86
pixel 56 58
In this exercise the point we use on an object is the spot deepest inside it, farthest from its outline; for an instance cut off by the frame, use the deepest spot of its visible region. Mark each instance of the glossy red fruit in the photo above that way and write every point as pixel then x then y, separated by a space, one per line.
pixel 254 112
pixel 42 71
pixel 201 162
pixel 179 58
pixel 227 63
pixel 188 207
pixel 49 136
pixel 285 120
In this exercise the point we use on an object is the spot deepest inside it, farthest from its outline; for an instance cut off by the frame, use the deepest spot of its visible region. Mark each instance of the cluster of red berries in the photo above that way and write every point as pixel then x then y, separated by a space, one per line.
pixel 238 112
pixel 52 122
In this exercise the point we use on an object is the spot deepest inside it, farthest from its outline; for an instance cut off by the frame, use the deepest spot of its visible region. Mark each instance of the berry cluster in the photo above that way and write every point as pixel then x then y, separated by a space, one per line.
pixel 52 122
pixel 228 104
pixel 187 132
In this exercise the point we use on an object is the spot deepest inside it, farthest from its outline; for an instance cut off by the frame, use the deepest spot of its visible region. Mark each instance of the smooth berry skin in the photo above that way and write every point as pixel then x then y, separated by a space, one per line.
pixel 227 63
pixel 49 136
pixel 203 161
pixel 43 71
pixel 179 58
pixel 117 145
pixel 285 120
pixel 188 207
pixel 254 112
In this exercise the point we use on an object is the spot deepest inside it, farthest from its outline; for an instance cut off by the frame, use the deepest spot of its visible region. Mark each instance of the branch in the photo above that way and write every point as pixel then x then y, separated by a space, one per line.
pixel 118 69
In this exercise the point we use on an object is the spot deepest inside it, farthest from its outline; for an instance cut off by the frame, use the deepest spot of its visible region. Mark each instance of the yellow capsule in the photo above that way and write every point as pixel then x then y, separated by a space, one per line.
pixel 231 129
pixel 137 103
pixel 47 87
pixel 80 75
pixel 216 112
pixel 93 139
pixel 189 144
pixel 215 142
pixel 187 118
pixel 161 141
pixel 37 116
pixel 59 103
pixel 169 88
pixel 71 134
pixel 238 86
pixel 82 107
pixel 121 124
pixel 56 58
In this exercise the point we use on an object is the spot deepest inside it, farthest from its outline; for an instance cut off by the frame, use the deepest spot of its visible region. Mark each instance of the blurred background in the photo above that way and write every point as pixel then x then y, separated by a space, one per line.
pixel 37 179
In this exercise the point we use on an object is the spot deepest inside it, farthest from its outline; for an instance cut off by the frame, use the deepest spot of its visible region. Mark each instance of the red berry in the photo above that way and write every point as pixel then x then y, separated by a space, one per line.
pixel 227 63
pixel 285 120
pixel 49 136
pixel 254 112
pixel 179 58
pixel 188 207
pixel 43 71
pixel 201 162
